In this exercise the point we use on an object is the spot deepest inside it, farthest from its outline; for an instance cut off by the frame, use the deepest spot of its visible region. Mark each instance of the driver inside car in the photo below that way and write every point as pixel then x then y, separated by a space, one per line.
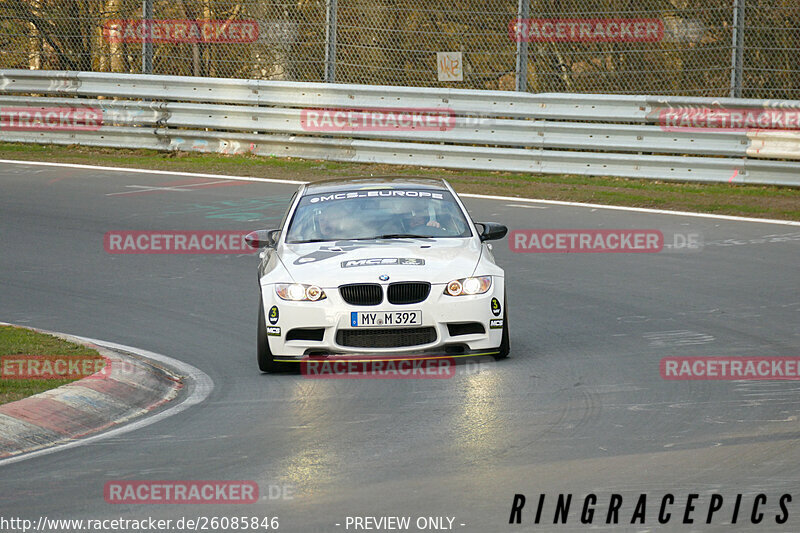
pixel 418 219
pixel 334 223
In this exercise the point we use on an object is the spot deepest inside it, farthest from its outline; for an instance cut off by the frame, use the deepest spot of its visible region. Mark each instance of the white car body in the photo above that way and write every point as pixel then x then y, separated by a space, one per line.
pixel 463 325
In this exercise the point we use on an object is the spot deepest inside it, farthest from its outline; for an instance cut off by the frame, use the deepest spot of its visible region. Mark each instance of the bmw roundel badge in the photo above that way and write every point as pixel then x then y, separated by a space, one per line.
pixel 383 277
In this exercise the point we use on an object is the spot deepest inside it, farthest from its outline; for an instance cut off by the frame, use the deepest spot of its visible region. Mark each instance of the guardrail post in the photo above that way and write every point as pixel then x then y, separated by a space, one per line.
pixel 523 11
pixel 330 41
pixel 147 44
pixel 737 55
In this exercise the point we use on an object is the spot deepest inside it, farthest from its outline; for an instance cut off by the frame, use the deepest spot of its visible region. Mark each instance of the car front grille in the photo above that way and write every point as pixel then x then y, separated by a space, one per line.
pixel 408 292
pixel 362 293
pixel 385 337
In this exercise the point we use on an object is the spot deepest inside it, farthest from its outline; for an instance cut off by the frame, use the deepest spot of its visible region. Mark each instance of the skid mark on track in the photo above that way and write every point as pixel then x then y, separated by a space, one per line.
pixel 242 210
pixel 580 408
pixel 665 339
pixel 527 206
pixel 771 238
pixel 183 186
pixel 775 393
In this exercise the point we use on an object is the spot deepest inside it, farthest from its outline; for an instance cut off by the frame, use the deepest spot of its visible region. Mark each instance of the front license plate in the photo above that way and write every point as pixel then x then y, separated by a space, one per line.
pixel 385 318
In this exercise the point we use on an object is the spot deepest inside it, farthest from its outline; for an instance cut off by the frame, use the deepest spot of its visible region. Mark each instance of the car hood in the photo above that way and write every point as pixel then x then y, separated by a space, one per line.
pixel 330 264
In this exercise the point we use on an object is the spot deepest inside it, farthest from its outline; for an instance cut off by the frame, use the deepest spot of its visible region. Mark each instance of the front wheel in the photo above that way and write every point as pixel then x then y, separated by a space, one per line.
pixel 505 343
pixel 266 361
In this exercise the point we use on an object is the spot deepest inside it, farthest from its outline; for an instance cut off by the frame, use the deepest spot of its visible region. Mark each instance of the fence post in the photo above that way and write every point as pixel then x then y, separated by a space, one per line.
pixel 737 55
pixel 523 11
pixel 330 41
pixel 147 44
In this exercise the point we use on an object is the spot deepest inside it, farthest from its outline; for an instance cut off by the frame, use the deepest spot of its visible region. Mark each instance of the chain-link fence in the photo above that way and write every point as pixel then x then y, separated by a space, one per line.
pixel 747 48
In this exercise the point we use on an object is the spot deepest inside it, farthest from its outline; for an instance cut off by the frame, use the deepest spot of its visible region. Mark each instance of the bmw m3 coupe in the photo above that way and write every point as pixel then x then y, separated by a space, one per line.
pixel 390 267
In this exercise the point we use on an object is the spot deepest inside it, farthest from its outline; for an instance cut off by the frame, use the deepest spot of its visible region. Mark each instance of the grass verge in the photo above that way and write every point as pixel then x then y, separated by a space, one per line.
pixel 720 198
pixel 15 341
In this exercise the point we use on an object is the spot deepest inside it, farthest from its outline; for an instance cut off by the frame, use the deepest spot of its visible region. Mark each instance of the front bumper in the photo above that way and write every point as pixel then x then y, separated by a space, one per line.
pixel 446 315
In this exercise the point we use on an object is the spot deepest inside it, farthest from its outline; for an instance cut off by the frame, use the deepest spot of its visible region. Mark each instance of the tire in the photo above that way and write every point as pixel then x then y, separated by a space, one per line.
pixel 266 361
pixel 505 343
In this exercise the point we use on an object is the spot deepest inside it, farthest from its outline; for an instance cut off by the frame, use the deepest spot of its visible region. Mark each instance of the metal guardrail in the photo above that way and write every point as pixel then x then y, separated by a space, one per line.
pixel 488 130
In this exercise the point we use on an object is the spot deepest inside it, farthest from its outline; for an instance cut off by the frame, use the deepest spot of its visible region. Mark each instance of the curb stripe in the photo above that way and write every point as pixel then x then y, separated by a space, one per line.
pixel 88 400
pixel 15 431
pixel 90 405
pixel 130 395
pixel 53 415
pixel 40 441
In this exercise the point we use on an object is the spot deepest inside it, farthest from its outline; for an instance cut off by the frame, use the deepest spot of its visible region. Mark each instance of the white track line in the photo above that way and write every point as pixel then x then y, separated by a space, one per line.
pixel 635 209
pixel 147 171
pixel 464 195
pixel 202 387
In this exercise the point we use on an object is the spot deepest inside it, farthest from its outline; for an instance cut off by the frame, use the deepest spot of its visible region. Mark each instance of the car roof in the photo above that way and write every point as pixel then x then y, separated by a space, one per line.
pixel 374 182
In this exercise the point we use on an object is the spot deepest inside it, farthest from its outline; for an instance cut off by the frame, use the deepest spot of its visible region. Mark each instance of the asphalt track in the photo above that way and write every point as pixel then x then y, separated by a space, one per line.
pixel 579 407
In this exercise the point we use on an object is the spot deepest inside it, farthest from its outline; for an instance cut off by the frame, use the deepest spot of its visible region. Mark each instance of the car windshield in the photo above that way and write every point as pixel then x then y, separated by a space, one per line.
pixel 377 214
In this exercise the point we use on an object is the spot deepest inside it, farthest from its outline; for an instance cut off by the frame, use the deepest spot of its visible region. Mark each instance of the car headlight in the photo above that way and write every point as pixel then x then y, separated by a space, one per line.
pixel 298 292
pixel 468 286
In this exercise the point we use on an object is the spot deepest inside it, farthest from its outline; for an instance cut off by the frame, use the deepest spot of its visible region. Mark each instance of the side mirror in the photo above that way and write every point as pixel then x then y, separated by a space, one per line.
pixel 491 231
pixel 262 238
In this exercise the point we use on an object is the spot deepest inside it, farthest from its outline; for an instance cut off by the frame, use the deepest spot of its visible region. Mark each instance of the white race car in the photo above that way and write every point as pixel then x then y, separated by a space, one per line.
pixel 390 267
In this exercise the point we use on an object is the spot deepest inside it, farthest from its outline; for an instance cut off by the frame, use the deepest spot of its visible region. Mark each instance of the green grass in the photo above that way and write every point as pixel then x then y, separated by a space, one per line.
pixel 721 198
pixel 21 341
